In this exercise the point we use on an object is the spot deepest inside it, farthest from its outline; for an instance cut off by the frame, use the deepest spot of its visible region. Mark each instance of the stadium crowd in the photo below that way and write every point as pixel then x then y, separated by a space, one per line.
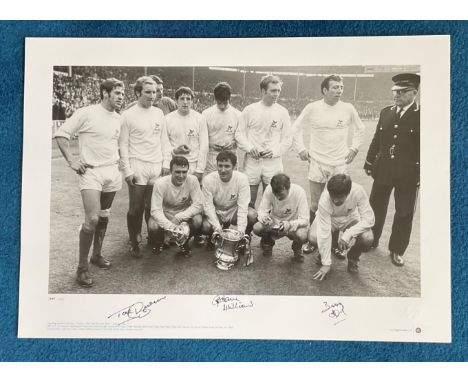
pixel 82 89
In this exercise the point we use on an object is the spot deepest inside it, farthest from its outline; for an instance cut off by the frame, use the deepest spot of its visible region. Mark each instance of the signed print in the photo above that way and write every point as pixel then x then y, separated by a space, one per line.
pixel 136 310
pixel 244 186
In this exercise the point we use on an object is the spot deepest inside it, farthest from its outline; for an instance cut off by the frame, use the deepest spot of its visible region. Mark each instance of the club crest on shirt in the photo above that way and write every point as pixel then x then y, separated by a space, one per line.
pixel 340 123
pixel 287 211
pixel 183 199
pixel 229 129
pixel 191 133
pixel 157 128
pixel 233 196
pixel 274 124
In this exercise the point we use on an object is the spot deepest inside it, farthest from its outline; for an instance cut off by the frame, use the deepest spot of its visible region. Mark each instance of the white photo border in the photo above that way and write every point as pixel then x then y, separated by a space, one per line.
pixel 424 319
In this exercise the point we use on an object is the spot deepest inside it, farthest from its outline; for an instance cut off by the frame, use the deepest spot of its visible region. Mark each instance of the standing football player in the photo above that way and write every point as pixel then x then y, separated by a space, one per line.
pixel 145 155
pixel 328 121
pixel 98 129
pixel 187 132
pixel 166 104
pixel 222 121
pixel 265 135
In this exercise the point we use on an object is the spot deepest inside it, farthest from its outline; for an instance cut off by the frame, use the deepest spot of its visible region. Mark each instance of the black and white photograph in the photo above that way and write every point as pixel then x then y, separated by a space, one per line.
pixel 201 197
pixel 240 127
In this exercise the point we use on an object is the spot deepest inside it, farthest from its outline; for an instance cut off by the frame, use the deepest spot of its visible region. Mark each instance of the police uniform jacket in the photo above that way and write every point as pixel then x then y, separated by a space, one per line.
pixel 393 155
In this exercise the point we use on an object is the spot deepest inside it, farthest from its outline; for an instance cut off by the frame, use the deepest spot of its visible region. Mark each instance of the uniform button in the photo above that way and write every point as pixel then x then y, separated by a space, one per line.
pixel 395 136
pixel 392 156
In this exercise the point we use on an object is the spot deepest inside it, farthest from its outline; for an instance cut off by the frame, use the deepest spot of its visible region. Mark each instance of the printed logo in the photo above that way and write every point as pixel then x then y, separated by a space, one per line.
pixel 340 123
pixel 287 211
pixel 157 128
pixel 274 124
pixel 233 196
pixel 183 199
pixel 229 129
pixel 191 133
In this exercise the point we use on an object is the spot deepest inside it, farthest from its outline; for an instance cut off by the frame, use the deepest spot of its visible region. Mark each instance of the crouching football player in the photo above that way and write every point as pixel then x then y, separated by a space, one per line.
pixel 226 198
pixel 176 198
pixel 343 206
pixel 283 211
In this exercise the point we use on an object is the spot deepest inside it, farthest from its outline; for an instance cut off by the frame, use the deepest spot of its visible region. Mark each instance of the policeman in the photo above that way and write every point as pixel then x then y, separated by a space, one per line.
pixel 393 161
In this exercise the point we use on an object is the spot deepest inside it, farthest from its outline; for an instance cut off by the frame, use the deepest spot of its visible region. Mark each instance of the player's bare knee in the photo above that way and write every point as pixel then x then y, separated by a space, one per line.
pixel 152 225
pixel 206 227
pixel 91 222
pixel 312 237
pixel 302 234
pixel 252 215
pixel 258 229
pixel 365 240
pixel 197 221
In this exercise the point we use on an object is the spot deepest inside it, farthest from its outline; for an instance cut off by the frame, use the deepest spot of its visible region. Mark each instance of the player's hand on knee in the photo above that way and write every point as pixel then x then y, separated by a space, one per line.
pixel 130 180
pixel 304 155
pixel 78 167
pixel 322 272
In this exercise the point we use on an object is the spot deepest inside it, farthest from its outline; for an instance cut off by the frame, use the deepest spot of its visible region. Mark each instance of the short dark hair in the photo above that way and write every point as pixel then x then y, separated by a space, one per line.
pixel 326 82
pixel 227 155
pixel 269 79
pixel 157 79
pixel 140 82
pixel 339 185
pixel 179 161
pixel 222 92
pixel 108 85
pixel 183 90
pixel 280 182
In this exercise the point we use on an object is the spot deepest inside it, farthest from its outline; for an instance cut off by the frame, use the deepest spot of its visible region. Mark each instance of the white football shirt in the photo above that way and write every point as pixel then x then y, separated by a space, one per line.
pixel 98 132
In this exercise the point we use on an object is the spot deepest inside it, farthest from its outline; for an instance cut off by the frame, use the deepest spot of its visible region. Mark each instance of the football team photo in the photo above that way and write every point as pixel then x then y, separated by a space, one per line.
pixel 252 180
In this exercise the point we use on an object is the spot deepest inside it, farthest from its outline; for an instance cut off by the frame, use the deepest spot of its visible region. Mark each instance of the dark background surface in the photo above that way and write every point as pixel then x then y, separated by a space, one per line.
pixel 12 35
